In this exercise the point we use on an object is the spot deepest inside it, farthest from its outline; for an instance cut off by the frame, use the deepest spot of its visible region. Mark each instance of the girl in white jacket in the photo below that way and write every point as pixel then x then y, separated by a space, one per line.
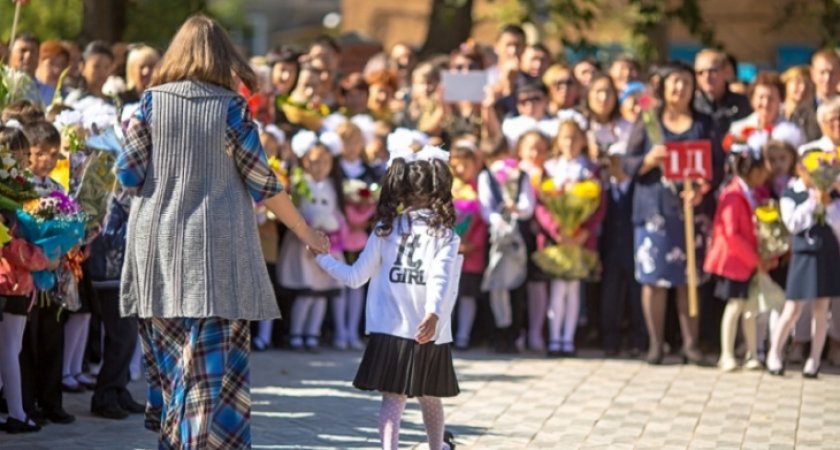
pixel 412 262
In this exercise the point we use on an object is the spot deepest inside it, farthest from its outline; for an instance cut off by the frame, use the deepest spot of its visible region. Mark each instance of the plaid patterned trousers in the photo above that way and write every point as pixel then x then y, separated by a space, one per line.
pixel 198 377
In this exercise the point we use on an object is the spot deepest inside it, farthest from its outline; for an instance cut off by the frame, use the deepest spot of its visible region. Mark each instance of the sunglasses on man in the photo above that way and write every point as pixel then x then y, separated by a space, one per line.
pixel 532 99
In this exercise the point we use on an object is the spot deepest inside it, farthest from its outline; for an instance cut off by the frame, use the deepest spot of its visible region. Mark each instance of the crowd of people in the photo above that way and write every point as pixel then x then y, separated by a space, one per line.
pixel 328 134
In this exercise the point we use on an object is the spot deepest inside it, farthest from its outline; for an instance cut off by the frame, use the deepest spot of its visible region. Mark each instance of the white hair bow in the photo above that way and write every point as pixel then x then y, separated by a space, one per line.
pixel 403 138
pixel 333 142
pixel 784 132
pixel 304 140
pixel 427 153
pixel 13 123
pixel 277 133
pixel 570 114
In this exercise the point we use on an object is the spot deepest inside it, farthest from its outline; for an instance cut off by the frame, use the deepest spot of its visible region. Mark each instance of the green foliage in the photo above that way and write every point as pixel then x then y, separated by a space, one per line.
pixel 156 21
pixel 825 12
pixel 47 19
pixel 150 21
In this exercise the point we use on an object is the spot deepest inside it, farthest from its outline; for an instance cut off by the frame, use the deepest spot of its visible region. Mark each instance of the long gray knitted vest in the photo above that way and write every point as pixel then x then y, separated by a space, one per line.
pixel 192 246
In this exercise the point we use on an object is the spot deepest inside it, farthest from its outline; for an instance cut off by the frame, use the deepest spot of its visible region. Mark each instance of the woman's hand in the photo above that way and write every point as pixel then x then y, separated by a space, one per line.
pixel 317 242
pixel 655 156
pixel 426 329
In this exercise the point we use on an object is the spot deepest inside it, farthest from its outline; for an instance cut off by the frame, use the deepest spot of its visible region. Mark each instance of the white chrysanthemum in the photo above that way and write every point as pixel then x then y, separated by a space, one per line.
pixel 4 174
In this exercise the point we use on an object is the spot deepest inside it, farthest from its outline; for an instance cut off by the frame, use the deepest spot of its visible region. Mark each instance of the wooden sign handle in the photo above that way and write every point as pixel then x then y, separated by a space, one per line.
pixel 691 257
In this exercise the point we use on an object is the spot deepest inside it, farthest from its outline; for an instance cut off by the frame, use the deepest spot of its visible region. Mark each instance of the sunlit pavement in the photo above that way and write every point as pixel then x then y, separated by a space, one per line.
pixel 305 400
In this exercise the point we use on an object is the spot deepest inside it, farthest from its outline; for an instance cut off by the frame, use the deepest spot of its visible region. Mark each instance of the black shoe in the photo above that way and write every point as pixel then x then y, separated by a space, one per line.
pixel 811 375
pixel 60 416
pixel 777 372
pixel 110 411
pixel 38 417
pixel 654 356
pixel 611 353
pixel 127 403
pixel 449 439
pixel 14 426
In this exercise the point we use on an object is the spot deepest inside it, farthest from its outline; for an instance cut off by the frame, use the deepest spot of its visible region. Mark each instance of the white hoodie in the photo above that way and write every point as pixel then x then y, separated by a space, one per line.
pixel 412 273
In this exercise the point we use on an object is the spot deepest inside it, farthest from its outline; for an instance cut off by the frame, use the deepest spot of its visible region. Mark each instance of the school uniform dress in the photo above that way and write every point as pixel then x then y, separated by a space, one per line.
pixel 297 269
pixel 659 224
pixel 815 259
pixel 194 271
pixel 413 272
pixel 733 255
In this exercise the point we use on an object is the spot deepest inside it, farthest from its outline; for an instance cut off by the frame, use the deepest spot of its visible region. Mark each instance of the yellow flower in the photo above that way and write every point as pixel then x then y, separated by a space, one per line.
pixel 61 173
pixel 767 214
pixel 588 189
pixel 463 191
pixel 548 187
pixel 5 237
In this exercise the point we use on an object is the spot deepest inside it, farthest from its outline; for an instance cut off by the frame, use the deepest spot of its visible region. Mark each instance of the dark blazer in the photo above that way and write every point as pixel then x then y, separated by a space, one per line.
pixel 616 240
pixel 729 108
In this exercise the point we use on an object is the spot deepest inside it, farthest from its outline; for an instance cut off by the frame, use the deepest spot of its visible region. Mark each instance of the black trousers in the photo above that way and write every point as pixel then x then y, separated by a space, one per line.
pixel 620 290
pixel 41 359
pixel 120 341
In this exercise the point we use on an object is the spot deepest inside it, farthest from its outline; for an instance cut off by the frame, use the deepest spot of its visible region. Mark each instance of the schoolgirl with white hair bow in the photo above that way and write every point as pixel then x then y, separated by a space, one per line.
pixel 318 202
pixel 412 262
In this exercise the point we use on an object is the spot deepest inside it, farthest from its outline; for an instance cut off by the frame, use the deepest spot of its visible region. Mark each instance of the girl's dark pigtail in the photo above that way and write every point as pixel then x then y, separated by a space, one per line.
pixel 393 185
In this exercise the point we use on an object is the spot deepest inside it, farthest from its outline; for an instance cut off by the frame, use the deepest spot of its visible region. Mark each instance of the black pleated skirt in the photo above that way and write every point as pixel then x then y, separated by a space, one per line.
pixel 15 304
pixel 727 288
pixel 402 366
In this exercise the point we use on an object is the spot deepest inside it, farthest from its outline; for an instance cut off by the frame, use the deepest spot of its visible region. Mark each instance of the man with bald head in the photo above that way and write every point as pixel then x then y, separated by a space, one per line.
pixel 825 73
pixel 713 96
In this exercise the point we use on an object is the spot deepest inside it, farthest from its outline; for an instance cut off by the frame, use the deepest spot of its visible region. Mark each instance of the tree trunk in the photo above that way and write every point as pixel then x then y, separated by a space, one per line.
pixel 103 20
pixel 450 24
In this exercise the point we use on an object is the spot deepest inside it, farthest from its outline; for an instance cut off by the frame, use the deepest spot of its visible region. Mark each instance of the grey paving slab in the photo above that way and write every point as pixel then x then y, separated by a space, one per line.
pixel 306 401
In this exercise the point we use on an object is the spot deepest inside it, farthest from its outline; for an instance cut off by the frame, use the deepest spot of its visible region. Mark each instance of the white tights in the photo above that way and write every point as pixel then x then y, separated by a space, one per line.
pixel 347 314
pixel 466 317
pixel 537 310
pixel 307 316
pixel 390 414
pixel 75 339
pixel 11 339
pixel 563 310
pixel 819 330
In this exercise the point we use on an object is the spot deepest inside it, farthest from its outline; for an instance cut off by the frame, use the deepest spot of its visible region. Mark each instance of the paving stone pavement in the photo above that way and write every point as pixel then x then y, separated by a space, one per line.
pixel 306 401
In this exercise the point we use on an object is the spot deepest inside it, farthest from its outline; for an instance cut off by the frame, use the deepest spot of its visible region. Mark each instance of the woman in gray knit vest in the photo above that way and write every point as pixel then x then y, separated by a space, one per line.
pixel 194 272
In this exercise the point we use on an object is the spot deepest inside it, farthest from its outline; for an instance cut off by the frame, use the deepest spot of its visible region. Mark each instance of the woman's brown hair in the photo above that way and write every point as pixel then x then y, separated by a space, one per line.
pixel 202 51
pixel 768 79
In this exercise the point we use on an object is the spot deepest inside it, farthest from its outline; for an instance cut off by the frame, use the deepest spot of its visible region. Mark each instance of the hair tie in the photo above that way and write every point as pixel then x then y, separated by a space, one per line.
pixel 14 123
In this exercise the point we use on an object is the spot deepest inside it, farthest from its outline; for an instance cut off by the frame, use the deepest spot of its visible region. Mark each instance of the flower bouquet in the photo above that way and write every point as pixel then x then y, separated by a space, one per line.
pixel 16 85
pixel 309 115
pixel 298 187
pixel 15 186
pixel 467 207
pixel 360 193
pixel 569 206
pixel 824 169
pixel 360 201
pixel 507 173
pixel 651 121
pixel 55 223
pixel 96 186
pixel 773 236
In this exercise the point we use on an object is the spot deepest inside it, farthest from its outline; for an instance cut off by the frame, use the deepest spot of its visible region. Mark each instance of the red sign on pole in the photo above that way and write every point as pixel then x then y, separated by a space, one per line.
pixel 686 160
